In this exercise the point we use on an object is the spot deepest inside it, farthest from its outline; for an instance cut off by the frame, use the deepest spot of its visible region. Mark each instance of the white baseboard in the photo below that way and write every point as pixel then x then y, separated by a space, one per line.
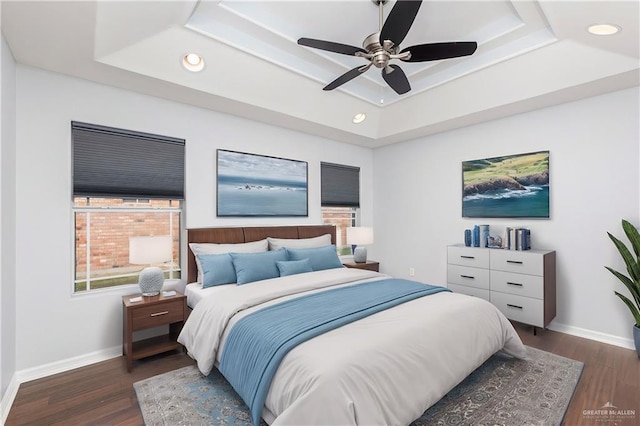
pixel 593 335
pixel 8 398
pixel 68 364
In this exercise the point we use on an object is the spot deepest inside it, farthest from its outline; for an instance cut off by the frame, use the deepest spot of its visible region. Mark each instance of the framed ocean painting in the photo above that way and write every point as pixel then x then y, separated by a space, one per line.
pixel 259 185
pixel 511 186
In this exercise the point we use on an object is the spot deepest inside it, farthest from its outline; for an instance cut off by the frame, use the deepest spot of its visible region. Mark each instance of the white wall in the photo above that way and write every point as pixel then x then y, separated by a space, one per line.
pixel 7 220
pixel 52 324
pixel 594 159
pixel 594 178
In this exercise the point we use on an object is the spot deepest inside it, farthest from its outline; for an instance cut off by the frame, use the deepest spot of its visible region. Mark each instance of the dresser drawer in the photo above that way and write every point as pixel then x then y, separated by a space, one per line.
pixel 520 284
pixel 518 261
pixel 471 277
pixel 518 308
pixel 468 256
pixel 167 312
pixel 470 291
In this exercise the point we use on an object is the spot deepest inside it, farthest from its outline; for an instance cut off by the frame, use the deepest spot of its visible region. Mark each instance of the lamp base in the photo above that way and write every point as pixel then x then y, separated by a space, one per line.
pixel 360 254
pixel 150 281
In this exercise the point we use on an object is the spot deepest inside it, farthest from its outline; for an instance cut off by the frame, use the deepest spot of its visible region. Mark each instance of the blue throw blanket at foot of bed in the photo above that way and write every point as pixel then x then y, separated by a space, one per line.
pixel 258 342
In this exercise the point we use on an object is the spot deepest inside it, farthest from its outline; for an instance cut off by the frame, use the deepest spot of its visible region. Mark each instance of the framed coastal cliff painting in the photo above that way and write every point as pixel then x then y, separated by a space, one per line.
pixel 510 186
pixel 259 185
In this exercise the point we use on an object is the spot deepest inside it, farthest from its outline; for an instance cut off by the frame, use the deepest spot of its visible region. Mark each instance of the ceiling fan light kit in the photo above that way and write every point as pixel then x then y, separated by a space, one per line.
pixel 383 46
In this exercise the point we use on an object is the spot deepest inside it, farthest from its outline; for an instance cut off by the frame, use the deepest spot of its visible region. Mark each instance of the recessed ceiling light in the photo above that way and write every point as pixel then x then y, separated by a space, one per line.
pixel 603 29
pixel 193 62
pixel 359 118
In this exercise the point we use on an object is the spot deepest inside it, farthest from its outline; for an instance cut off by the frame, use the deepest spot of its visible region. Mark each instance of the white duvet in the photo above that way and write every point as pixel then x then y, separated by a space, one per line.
pixel 385 369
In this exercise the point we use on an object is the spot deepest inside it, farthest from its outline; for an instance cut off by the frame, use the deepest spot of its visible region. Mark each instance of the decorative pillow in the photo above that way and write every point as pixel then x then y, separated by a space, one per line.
pixel 211 248
pixel 252 267
pixel 278 243
pixel 320 257
pixel 292 267
pixel 217 269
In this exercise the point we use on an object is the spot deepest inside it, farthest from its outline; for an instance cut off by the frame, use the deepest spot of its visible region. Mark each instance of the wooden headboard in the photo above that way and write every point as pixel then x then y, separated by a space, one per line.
pixel 247 234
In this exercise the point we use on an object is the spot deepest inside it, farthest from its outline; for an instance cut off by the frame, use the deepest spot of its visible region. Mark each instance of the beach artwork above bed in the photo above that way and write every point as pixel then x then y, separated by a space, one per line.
pixel 259 185
pixel 509 186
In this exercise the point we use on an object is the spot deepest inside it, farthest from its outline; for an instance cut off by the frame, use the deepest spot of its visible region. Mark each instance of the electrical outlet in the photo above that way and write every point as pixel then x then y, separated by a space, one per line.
pixel 412 272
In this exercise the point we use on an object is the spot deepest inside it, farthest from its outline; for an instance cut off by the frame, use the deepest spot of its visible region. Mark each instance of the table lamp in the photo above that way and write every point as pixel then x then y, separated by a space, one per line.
pixel 359 237
pixel 147 251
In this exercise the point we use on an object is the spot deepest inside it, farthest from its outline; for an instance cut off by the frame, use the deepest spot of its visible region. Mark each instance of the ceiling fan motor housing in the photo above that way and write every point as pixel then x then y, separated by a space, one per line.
pixel 379 56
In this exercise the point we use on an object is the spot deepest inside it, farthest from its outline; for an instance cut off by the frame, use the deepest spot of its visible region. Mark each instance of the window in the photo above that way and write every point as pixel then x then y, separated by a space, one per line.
pixel 125 184
pixel 340 200
pixel 342 218
pixel 103 227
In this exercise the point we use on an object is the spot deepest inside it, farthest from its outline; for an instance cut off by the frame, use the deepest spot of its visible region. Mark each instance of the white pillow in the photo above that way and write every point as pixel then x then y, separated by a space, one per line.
pixel 211 248
pixel 278 243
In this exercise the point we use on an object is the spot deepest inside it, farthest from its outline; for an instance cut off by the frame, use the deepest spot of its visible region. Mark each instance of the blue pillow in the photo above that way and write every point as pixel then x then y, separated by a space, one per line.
pixel 292 267
pixel 252 267
pixel 217 269
pixel 321 258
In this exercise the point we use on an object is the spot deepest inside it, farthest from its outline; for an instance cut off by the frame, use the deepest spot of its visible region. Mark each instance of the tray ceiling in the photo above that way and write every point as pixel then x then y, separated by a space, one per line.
pixel 530 54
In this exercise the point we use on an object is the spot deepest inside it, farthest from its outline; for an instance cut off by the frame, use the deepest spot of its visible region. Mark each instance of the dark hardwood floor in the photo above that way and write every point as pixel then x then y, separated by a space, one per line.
pixel 102 394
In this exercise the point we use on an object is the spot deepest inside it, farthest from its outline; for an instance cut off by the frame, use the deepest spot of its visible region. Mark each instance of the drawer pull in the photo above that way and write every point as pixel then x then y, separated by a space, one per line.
pixel 514 306
pixel 157 314
pixel 518 262
pixel 467 276
pixel 468 257
pixel 517 284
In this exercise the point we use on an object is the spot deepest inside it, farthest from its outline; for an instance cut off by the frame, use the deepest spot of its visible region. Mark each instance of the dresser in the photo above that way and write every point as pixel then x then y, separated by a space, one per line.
pixel 521 284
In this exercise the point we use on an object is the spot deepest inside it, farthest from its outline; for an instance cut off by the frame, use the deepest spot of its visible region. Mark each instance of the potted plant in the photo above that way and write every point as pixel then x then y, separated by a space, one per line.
pixel 632 282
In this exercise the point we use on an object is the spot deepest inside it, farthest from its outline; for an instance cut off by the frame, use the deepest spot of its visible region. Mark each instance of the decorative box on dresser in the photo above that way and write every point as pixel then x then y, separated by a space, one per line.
pixel 521 284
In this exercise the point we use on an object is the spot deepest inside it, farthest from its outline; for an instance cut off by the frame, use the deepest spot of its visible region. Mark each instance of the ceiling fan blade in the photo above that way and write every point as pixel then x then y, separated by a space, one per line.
pixel 399 21
pixel 396 79
pixel 435 51
pixel 348 76
pixel 330 46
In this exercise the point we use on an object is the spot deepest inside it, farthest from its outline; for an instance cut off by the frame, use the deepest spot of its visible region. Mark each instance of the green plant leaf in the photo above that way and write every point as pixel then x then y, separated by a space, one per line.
pixel 633 288
pixel 634 311
pixel 634 237
pixel 632 264
pixel 631 282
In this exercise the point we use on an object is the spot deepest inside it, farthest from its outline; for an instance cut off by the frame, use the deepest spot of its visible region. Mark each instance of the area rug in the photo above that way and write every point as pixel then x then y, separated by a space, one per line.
pixel 502 391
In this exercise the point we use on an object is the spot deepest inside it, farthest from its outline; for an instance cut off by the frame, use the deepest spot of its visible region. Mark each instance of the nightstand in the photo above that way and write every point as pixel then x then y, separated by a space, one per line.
pixel 151 312
pixel 369 265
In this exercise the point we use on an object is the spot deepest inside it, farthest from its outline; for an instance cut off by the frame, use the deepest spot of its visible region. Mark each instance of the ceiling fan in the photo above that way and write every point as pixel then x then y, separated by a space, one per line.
pixel 381 47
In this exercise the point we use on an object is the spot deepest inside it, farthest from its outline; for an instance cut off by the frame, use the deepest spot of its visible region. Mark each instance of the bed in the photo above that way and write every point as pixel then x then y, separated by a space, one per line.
pixel 384 368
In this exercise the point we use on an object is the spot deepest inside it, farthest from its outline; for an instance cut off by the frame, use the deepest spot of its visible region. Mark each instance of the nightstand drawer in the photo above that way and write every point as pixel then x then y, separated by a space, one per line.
pixel 520 284
pixel 472 277
pixel 167 312
pixel 522 309
pixel 468 256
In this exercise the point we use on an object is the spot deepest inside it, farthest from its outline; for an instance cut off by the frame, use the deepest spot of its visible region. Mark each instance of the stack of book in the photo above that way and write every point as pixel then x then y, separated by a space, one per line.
pixel 517 239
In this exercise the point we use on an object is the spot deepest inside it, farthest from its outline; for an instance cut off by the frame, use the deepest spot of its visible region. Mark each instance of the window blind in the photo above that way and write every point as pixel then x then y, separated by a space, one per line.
pixel 340 185
pixel 122 163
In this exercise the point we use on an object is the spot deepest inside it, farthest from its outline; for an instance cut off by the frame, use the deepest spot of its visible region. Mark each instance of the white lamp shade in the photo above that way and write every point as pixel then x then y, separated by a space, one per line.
pixel 359 235
pixel 149 250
